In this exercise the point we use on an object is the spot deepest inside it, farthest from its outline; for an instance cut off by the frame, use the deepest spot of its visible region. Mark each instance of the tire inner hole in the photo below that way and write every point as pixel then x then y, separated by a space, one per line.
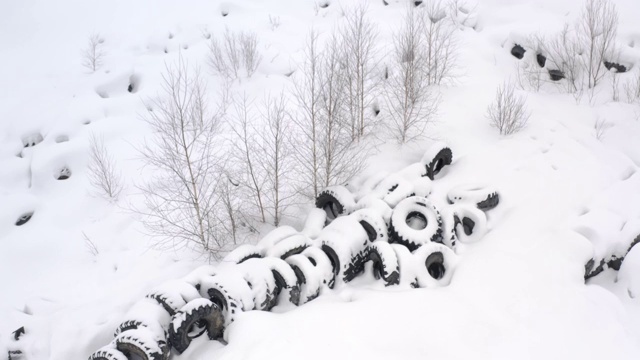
pixel 468 225
pixel 332 210
pixel 371 232
pixel 435 265
pixel 198 328
pixel 416 220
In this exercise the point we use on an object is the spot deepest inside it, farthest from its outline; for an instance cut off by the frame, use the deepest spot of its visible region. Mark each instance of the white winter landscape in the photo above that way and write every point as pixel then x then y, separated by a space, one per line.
pixel 319 179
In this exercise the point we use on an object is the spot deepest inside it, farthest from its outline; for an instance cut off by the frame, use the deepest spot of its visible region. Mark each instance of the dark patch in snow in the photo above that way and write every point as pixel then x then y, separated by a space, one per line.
pixel 518 51
pixel 541 60
pixel 32 139
pixel 617 67
pixel 556 75
pixel 24 219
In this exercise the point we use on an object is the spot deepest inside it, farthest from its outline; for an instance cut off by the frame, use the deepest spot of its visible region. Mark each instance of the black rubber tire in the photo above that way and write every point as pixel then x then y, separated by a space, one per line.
pixel 335 201
pixel 199 313
pixel 484 198
pixel 612 262
pixel 232 294
pixel 106 353
pixel 200 274
pixel 321 262
pixel 346 244
pixel 470 224
pixel 286 280
pixel 393 189
pixel 373 223
pixel 436 158
pixel 140 343
pixel 438 262
pixel 415 207
pixel 292 245
pixel 385 263
pixel 173 295
pixel 308 277
pixel 243 253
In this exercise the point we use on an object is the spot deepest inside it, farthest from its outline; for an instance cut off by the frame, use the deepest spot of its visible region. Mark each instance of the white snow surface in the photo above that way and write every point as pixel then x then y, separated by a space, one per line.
pixel 517 294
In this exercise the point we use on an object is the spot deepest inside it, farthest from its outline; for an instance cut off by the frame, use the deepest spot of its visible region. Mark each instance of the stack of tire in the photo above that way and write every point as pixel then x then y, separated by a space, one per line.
pixel 388 225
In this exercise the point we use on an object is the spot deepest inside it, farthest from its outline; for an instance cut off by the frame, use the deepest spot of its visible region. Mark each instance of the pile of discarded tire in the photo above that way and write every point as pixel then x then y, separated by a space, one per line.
pixel 386 225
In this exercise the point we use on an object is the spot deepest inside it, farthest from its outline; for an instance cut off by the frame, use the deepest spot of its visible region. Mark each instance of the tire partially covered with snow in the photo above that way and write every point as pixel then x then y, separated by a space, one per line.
pixel 385 262
pixel 243 253
pixel 308 277
pixel 197 276
pixel 346 243
pixel 108 352
pixel 335 201
pixel 436 158
pixel 484 198
pixel 275 236
pixel 141 344
pixel 394 189
pixel 406 262
pixel 230 292
pixel 449 237
pixel 415 222
pixel 194 319
pixel 147 314
pixel 375 204
pixel 373 223
pixel 290 246
pixel 173 295
pixel 436 264
pixel 470 223
pixel 259 277
pixel 287 285
pixel 321 262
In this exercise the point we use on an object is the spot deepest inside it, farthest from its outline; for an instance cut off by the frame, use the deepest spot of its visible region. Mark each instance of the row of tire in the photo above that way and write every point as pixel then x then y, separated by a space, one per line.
pixel 387 225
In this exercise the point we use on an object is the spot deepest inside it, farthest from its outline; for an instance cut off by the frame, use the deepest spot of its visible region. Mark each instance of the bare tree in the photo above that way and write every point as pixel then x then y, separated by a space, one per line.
pixel 182 199
pixel 600 127
pixel 247 154
pixel 632 89
pixel 410 102
pixel 597 29
pixel 440 42
pixel 307 122
pixel 93 54
pixel 102 172
pixel 233 52
pixel 564 53
pixel 275 152
pixel 359 37
pixel 508 113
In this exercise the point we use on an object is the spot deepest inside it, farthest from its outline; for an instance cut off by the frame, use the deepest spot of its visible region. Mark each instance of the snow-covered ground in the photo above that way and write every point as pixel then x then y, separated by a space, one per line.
pixel 519 293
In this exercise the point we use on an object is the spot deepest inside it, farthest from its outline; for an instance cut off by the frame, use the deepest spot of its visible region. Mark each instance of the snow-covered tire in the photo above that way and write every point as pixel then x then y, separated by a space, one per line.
pixel 484 198
pixel 335 201
pixel 346 243
pixel 242 253
pixel 595 266
pixel 173 295
pixel 436 158
pixel 449 237
pixel 321 261
pixel 371 183
pixel 436 264
pixel 108 352
pixel 230 292
pixel 394 189
pixel 275 236
pixel 313 225
pixel 140 344
pixel 308 277
pixel 287 285
pixel 385 263
pixel 373 223
pixel 415 222
pixel 146 313
pixel 197 276
pixel 290 246
pixel 260 279
pixel 471 224
pixel 378 205
pixel 194 319
pixel 406 262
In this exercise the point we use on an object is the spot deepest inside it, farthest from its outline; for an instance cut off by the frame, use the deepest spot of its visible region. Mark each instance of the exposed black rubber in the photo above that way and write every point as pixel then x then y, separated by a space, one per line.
pixel 162 300
pixel 208 317
pixel 518 51
pixel 134 348
pixel 591 269
pixel 333 203
pixel 24 219
pixel 443 158
pixel 556 75
pixel 435 265
pixel 352 269
pixel 103 354
pixel 302 279
pixel 281 284
pixel 396 236
pixel 381 270
pixel 619 68
pixel 128 325
pixel 490 202
pixel 17 333
pixel 541 60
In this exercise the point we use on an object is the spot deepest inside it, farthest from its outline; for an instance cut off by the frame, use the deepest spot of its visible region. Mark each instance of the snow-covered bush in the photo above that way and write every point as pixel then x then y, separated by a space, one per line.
pixel 235 51
pixel 102 172
pixel 508 113
pixel 93 54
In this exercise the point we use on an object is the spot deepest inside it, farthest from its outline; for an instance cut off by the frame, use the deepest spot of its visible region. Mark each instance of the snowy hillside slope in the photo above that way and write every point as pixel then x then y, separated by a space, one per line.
pixel 517 293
